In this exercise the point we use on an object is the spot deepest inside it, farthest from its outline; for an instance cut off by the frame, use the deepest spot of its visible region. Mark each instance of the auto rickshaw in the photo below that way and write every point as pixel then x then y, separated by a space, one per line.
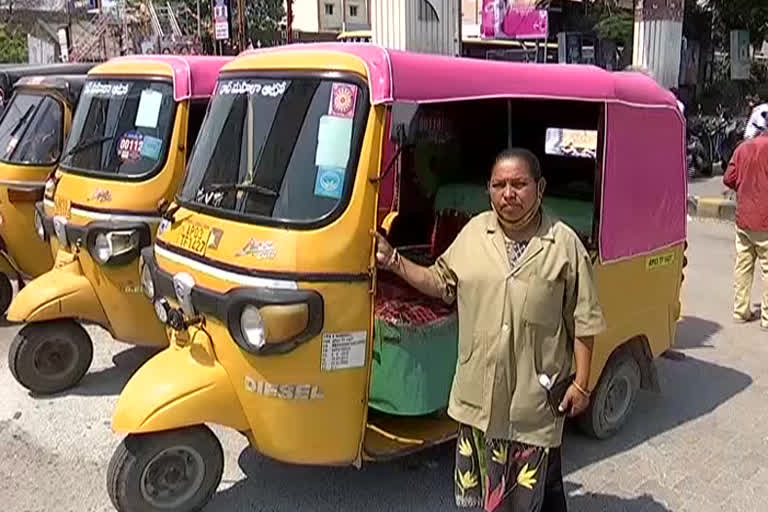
pixel 282 328
pixel 32 134
pixel 10 74
pixel 133 129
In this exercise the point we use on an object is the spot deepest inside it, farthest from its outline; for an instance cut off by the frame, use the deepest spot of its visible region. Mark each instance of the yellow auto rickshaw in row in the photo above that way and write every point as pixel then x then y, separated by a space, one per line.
pixel 33 129
pixel 133 129
pixel 263 271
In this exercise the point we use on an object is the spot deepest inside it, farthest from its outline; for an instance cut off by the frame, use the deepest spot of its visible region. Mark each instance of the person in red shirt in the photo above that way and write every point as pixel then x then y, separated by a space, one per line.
pixel 747 174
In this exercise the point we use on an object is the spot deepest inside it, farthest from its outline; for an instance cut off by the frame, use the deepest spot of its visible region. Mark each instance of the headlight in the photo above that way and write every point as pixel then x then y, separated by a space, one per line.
pixel 252 326
pixel 101 248
pixel 39 228
pixel 147 284
pixel 183 283
pixel 114 243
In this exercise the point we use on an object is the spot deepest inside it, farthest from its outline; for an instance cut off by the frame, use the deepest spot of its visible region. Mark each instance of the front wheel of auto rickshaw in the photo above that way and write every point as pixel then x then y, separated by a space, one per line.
pixel 613 399
pixel 6 293
pixel 175 470
pixel 49 357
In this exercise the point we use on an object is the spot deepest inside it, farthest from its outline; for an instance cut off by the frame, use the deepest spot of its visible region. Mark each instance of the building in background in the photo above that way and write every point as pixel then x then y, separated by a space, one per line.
pixel 330 17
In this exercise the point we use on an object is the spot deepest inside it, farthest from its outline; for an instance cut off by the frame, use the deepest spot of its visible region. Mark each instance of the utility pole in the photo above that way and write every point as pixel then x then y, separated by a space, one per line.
pixel 241 24
pixel 343 15
pixel 289 21
pixel 199 25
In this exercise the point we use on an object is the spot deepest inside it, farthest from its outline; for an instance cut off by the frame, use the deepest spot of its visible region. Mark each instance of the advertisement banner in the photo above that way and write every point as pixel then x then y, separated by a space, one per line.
pixel 221 20
pixel 508 19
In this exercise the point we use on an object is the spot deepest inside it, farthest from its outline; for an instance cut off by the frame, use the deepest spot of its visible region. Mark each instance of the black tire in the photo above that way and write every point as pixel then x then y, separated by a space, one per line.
pixel 604 416
pixel 49 357
pixel 6 293
pixel 145 464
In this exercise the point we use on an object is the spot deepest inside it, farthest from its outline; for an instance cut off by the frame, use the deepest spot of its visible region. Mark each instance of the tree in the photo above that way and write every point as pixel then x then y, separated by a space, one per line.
pixel 740 14
pixel 13 45
pixel 260 15
pixel 264 15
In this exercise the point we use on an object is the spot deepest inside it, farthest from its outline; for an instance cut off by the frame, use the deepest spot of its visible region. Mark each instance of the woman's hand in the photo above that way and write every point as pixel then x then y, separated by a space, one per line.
pixel 574 402
pixel 385 253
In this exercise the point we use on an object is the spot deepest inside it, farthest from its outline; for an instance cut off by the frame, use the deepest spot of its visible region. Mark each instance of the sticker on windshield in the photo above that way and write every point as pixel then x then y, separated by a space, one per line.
pixel 234 87
pixel 129 146
pixel 151 147
pixel 149 108
pixel 343 100
pixel 334 139
pixel 329 182
pixel 108 89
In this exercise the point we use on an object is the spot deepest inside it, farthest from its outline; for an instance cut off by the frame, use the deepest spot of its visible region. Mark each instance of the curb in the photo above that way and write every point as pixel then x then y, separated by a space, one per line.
pixel 712 207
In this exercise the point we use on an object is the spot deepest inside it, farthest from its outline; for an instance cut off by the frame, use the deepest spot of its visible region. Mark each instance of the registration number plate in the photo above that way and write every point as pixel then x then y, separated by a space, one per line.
pixel 194 237
pixel 62 207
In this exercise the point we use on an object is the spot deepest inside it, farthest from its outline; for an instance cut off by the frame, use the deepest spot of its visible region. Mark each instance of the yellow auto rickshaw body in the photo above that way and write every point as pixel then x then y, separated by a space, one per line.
pixel 33 129
pixel 131 136
pixel 272 296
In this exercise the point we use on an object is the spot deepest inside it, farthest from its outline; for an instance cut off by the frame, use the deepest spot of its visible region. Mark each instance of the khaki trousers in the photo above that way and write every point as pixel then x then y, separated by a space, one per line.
pixel 750 246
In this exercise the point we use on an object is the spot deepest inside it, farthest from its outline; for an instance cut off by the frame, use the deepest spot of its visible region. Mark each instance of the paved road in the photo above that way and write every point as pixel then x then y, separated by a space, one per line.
pixel 700 446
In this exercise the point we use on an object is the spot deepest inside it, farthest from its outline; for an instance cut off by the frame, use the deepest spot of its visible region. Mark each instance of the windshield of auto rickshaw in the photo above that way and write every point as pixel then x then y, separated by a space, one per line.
pixel 121 128
pixel 31 130
pixel 276 149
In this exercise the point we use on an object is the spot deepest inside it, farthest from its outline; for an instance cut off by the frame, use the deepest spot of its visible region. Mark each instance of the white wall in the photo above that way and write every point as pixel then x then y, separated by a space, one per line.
pixel 334 22
pixel 657 47
pixel 428 36
pixel 305 15
pixel 400 24
pixel 388 23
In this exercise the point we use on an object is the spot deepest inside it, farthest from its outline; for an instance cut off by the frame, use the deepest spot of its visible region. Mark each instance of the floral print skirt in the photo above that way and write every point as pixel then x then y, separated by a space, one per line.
pixel 499 475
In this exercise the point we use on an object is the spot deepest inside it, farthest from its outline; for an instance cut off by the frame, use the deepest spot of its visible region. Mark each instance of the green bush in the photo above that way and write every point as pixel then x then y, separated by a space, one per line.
pixel 13 45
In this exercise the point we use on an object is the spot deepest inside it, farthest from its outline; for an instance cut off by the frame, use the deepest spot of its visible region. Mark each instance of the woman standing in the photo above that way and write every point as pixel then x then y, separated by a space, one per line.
pixel 527 304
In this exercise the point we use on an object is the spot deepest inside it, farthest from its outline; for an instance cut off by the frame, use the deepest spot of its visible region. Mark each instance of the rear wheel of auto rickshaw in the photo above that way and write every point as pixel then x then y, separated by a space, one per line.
pixel 6 293
pixel 49 357
pixel 176 470
pixel 614 397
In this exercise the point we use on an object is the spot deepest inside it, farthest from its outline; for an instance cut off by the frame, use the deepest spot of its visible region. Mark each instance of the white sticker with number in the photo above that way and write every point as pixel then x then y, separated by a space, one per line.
pixel 343 350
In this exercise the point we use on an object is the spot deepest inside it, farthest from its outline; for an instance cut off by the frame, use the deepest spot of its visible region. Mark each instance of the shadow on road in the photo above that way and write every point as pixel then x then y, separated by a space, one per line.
pixel 422 482
pixel 111 380
pixel 579 501
pixel 693 332
pixel 691 388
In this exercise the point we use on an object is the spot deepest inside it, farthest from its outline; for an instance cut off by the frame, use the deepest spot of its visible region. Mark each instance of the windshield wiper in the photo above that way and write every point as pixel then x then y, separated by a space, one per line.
pixel 248 187
pixel 22 119
pixel 80 146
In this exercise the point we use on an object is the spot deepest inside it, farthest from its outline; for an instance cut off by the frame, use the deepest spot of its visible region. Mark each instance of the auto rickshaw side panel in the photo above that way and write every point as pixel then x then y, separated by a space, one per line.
pixel 640 298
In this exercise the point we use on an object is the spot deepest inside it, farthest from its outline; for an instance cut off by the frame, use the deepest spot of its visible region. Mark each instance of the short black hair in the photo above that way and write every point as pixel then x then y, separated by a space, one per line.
pixel 531 161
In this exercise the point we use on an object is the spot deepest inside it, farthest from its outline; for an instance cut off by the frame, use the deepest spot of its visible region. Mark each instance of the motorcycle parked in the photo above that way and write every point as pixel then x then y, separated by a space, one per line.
pixel 711 140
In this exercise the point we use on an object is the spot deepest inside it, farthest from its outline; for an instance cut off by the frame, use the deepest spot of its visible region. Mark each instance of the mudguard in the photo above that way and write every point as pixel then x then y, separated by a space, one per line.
pixel 6 266
pixel 179 387
pixel 63 292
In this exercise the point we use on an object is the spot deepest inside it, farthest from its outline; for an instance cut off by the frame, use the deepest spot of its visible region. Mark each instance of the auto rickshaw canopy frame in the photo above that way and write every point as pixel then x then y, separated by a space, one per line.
pixel 644 186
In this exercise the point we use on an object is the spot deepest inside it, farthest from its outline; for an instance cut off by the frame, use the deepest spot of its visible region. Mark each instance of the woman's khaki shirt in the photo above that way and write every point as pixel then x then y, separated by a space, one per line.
pixel 515 323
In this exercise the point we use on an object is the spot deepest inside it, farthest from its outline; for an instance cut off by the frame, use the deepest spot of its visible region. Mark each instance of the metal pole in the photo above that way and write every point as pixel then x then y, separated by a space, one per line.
pixel 343 15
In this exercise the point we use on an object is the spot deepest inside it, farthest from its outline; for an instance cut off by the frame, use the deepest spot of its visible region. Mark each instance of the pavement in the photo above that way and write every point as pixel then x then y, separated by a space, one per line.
pixel 708 197
pixel 699 446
